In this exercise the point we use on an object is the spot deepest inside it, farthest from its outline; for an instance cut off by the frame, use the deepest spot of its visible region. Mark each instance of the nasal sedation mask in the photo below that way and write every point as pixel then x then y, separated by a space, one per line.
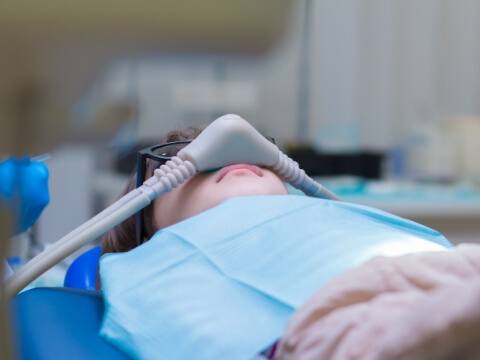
pixel 227 140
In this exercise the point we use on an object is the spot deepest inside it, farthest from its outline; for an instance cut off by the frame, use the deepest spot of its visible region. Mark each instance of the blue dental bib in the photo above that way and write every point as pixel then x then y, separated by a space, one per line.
pixel 222 284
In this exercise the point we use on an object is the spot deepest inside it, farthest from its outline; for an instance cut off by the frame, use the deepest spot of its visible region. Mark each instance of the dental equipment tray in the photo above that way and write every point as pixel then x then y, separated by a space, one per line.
pixel 60 323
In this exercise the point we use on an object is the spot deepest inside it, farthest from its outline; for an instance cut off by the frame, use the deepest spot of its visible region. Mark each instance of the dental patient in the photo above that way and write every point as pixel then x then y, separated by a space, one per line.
pixel 217 267
pixel 202 192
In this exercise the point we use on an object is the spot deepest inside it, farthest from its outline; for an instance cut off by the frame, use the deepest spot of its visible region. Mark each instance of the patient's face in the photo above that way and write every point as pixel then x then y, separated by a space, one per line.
pixel 209 189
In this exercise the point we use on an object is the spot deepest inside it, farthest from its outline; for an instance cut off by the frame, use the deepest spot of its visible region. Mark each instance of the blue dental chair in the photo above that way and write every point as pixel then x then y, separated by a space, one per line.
pixel 63 323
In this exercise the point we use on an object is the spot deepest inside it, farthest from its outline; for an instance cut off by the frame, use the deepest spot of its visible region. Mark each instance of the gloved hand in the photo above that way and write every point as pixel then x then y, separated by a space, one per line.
pixel 24 188
pixel 415 306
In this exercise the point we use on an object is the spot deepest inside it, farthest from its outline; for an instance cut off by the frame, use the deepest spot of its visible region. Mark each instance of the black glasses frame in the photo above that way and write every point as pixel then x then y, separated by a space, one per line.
pixel 141 167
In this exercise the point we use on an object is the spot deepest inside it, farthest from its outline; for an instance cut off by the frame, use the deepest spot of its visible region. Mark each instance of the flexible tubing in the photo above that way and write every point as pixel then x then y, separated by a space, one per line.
pixel 291 172
pixel 319 190
pixel 168 176
pixel 70 243
pixel 112 208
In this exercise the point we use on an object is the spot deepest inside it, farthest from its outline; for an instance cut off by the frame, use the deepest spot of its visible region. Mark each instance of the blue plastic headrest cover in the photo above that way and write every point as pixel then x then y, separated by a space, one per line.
pixel 82 273
pixel 222 284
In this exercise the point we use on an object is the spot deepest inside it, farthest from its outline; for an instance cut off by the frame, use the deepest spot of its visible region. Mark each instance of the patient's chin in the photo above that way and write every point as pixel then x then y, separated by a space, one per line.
pixel 250 188
pixel 240 175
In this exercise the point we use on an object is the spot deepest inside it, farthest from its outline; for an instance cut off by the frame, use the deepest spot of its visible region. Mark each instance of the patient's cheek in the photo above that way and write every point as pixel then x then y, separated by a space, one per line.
pixel 180 203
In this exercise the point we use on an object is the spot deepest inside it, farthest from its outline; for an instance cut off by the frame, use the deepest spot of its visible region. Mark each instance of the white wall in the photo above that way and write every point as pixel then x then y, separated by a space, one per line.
pixel 268 82
pixel 388 65
pixel 72 172
pixel 378 66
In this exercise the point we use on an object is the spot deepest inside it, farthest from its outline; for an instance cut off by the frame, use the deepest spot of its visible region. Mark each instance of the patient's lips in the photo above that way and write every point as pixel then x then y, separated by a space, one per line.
pixel 254 169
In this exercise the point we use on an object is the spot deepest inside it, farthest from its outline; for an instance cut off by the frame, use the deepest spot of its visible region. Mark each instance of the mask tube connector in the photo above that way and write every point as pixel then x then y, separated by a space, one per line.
pixel 168 176
pixel 291 172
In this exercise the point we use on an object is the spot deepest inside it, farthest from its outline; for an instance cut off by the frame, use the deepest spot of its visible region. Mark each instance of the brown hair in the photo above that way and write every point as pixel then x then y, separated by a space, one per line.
pixel 122 237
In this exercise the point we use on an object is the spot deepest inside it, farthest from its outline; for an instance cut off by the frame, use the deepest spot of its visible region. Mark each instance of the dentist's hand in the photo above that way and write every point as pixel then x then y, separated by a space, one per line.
pixel 414 306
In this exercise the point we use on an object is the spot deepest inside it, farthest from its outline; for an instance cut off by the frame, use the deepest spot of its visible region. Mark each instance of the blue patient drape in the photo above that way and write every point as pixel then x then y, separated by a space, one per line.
pixel 223 284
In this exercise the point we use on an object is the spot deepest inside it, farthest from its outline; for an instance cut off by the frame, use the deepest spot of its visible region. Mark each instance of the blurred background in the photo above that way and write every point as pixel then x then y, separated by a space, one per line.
pixel 378 99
